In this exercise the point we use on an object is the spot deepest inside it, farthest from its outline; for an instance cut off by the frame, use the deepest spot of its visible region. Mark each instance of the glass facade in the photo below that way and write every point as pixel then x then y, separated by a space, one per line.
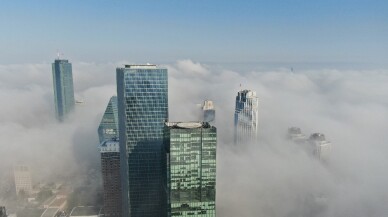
pixel 142 92
pixel 63 88
pixel 191 169
pixel 246 117
pixel 108 128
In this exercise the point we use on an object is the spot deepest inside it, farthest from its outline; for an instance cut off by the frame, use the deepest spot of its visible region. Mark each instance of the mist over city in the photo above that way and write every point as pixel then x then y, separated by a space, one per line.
pixel 193 108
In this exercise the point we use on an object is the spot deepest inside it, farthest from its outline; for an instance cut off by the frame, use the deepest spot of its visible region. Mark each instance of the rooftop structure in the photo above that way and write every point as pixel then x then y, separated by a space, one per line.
pixel 85 211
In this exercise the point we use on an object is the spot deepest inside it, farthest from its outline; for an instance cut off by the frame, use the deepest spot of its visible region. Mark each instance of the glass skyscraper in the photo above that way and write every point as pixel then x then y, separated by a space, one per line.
pixel 63 88
pixel 191 169
pixel 246 117
pixel 108 128
pixel 142 92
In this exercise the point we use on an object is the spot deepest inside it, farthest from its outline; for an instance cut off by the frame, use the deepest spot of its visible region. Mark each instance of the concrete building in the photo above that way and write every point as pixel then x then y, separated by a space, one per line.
pixel 23 183
pixel 63 88
pixel 321 147
pixel 209 112
pixel 142 97
pixel 246 117
pixel 108 128
pixel 110 166
pixel 191 169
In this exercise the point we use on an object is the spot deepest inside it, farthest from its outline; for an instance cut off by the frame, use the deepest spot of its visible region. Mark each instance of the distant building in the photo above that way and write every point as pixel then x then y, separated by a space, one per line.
pixel 63 88
pixel 246 117
pixel 142 99
pixel 191 169
pixel 3 212
pixel 85 211
pixel 321 147
pixel 23 181
pixel 110 166
pixel 295 134
pixel 209 113
pixel 108 128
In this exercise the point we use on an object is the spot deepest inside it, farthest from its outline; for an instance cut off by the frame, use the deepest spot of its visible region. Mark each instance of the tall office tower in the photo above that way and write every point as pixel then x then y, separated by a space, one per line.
pixel 191 169
pixel 295 134
pixel 63 88
pixel 23 181
pixel 110 166
pixel 142 96
pixel 3 213
pixel 321 148
pixel 108 128
pixel 246 117
pixel 209 113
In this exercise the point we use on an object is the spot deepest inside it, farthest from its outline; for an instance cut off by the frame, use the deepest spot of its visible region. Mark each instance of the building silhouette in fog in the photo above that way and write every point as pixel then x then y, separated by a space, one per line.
pixel 63 88
pixel 321 148
pixel 3 212
pixel 295 134
pixel 23 182
pixel 142 95
pixel 209 113
pixel 246 117
pixel 191 168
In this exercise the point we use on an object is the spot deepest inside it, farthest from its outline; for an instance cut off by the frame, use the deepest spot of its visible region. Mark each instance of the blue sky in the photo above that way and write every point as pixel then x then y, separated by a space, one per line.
pixel 202 30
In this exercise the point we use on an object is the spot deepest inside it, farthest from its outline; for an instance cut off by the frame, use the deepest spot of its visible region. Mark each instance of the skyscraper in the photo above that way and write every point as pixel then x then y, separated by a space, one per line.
pixel 108 128
pixel 110 166
pixel 246 117
pixel 209 113
pixel 191 169
pixel 295 134
pixel 321 147
pixel 63 88
pixel 142 92
pixel 23 183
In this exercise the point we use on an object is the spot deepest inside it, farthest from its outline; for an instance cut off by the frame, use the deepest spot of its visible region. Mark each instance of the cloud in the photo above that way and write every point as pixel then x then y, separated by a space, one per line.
pixel 269 178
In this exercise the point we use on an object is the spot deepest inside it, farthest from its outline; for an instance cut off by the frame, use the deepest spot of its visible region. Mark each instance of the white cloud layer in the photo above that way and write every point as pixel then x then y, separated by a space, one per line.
pixel 269 178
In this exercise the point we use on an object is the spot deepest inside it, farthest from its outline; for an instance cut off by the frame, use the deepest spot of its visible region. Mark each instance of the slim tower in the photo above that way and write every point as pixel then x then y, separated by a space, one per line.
pixel 142 92
pixel 246 117
pixel 63 88
pixel 191 169
pixel 321 147
pixel 209 113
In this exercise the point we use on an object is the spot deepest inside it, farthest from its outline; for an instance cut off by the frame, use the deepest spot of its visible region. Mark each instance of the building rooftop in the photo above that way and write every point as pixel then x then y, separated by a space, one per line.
pixel 89 211
pixel 188 125
pixel 141 66
pixel 208 104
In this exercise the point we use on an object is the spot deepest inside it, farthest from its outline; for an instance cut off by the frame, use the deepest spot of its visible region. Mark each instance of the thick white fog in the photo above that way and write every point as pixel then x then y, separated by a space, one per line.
pixel 270 178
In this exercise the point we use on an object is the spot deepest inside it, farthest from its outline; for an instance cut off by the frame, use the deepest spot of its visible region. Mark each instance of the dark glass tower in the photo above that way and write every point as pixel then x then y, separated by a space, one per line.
pixel 142 92
pixel 63 88
pixel 191 169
